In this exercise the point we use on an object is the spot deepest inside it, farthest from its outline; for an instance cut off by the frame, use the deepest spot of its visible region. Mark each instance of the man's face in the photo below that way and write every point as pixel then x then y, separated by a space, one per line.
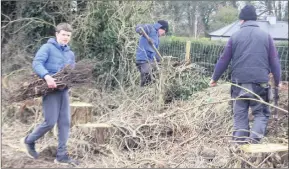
pixel 63 37
pixel 161 32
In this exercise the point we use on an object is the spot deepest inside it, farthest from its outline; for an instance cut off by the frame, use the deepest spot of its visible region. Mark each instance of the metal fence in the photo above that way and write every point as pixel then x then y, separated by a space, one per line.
pixel 206 55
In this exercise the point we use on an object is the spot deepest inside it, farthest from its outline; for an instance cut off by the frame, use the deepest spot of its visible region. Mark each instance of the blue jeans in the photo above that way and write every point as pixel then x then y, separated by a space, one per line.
pixel 56 109
pixel 260 111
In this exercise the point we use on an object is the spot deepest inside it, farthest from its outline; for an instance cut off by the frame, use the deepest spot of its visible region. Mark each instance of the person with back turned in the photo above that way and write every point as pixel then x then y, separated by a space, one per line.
pixel 254 56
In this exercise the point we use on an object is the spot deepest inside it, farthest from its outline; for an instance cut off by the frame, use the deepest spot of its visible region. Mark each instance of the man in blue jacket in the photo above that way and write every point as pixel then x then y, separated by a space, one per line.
pixel 253 56
pixel 145 54
pixel 51 58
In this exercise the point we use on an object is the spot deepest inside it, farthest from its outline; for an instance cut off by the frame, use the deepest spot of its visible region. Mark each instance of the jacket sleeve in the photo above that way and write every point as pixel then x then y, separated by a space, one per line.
pixel 39 61
pixel 274 62
pixel 223 61
pixel 146 27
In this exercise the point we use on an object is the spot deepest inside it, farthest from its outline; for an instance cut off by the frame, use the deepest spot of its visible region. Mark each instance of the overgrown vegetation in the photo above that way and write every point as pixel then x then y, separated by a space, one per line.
pixel 206 52
pixel 175 122
pixel 225 16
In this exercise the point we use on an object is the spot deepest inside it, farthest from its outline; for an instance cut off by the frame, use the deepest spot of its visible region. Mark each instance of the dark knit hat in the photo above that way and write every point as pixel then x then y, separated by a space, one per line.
pixel 165 25
pixel 248 13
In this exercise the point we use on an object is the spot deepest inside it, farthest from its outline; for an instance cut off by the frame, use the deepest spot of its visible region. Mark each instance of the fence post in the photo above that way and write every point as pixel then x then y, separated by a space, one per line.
pixel 188 50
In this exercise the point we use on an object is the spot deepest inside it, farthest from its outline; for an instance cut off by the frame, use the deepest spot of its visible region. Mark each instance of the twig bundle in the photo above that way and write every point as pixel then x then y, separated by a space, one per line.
pixel 68 77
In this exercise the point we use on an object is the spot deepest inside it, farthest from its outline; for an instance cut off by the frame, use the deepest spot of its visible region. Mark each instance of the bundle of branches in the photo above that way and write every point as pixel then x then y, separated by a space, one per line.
pixel 68 77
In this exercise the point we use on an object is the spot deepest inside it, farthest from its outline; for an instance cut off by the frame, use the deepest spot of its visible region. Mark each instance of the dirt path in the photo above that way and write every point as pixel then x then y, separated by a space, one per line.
pixel 13 155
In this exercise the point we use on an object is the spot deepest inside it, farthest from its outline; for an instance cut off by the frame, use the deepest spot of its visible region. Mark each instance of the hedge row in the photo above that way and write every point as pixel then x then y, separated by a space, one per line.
pixel 206 52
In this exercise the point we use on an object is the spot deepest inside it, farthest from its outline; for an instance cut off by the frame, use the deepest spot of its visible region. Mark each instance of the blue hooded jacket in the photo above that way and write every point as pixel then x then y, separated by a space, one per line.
pixel 51 58
pixel 144 51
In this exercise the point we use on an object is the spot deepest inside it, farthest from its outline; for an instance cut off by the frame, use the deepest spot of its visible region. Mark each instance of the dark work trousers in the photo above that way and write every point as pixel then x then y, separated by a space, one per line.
pixel 260 112
pixel 146 70
pixel 56 109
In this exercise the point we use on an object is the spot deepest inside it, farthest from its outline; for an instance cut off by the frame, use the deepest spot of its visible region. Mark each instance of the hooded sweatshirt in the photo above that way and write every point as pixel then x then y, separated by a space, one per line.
pixel 51 58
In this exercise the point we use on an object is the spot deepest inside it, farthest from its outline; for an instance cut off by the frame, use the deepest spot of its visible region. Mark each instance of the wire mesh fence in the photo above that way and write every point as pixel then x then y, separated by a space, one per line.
pixel 206 55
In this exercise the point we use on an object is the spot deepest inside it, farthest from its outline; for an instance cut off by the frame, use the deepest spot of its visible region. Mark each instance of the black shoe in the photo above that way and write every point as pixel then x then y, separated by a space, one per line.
pixel 65 160
pixel 29 149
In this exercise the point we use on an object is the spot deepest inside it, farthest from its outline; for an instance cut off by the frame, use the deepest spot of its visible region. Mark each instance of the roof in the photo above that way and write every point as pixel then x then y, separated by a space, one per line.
pixel 277 31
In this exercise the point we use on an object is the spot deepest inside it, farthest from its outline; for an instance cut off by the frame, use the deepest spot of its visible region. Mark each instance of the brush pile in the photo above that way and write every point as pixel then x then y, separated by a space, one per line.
pixel 176 122
pixel 183 134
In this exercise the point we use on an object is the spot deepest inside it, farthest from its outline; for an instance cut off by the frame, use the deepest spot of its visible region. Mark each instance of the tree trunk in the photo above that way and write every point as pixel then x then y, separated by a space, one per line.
pixel 279 11
pixel 196 25
pixel 274 9
pixel 176 12
pixel 234 4
pixel 99 133
pixel 269 6
pixel 285 18
pixel 189 28
pixel 193 17
pixel 81 113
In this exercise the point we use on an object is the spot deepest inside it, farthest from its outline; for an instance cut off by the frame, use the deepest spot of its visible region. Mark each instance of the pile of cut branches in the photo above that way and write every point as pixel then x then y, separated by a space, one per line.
pixel 68 77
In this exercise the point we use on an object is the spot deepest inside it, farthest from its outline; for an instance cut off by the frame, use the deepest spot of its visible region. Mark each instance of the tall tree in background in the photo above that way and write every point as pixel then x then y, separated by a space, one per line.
pixel 184 15
pixel 285 18
pixel 224 16
pixel 191 15
pixel 279 9
pixel 206 10
pixel 234 4
pixel 269 5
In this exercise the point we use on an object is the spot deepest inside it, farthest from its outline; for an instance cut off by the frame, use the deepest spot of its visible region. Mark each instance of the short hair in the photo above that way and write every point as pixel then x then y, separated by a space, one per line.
pixel 63 26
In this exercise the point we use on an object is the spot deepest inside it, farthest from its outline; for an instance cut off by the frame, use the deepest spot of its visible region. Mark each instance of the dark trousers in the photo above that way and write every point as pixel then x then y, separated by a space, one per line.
pixel 146 70
pixel 260 111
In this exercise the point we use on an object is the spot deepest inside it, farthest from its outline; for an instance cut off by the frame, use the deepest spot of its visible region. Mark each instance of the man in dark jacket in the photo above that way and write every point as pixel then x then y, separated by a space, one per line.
pixel 145 54
pixel 253 56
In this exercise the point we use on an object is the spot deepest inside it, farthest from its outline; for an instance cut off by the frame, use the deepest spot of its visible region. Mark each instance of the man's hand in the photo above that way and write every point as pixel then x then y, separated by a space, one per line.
pixel 50 81
pixel 213 83
pixel 281 86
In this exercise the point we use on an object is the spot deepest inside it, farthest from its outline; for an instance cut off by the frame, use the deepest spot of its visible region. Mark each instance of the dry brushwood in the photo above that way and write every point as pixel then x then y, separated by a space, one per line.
pixel 68 77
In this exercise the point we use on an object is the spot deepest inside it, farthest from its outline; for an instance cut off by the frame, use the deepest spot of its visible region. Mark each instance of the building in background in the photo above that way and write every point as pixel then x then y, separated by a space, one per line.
pixel 277 29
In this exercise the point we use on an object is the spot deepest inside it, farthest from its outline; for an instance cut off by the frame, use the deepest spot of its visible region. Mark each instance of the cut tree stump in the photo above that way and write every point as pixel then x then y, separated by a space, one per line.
pixel 264 148
pixel 265 155
pixel 99 133
pixel 81 113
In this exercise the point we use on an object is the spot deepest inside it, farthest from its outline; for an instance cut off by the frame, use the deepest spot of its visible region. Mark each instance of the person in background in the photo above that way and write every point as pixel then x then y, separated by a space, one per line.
pixel 50 59
pixel 254 56
pixel 145 54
